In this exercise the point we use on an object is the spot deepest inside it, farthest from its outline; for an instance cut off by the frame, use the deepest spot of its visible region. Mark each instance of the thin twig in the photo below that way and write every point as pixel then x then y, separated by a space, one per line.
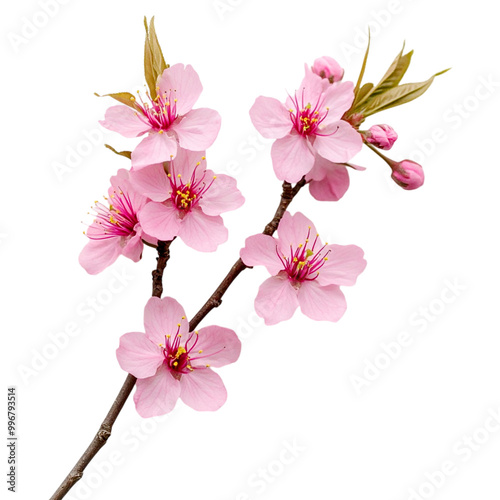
pixel 163 249
pixel 215 299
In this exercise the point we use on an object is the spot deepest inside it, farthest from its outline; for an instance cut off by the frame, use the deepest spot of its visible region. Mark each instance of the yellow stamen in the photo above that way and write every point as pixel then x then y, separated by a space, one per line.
pixel 180 351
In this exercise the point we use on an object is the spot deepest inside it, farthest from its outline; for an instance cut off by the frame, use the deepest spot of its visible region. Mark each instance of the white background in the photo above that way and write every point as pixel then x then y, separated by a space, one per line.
pixel 294 382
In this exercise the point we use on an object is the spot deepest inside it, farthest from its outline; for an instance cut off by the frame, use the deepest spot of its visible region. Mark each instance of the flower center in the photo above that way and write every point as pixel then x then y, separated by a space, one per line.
pixel 179 354
pixel 306 118
pixel 186 193
pixel 159 112
pixel 119 219
pixel 303 263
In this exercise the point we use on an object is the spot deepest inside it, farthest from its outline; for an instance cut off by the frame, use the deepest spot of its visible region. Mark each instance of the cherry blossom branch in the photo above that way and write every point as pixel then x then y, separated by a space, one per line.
pixel 215 300
pixel 104 431
pixel 163 249
pixel 99 439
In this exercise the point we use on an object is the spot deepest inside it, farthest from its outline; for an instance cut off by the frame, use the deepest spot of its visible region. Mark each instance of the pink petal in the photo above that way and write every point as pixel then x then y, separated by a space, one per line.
pixel 293 231
pixel 138 356
pixel 355 167
pixel 158 394
pixel 262 250
pixel 151 181
pixel 150 239
pixel 222 196
pixel 276 300
pixel 160 220
pixel 202 232
pixel 330 181
pixel 188 162
pixel 321 303
pixel 309 91
pixel 184 82
pixel 125 121
pixel 134 246
pixel 339 99
pixel 163 317
pixel 155 148
pixel 220 346
pixel 270 117
pixel 203 390
pixel 345 263
pixel 122 182
pixel 339 143
pixel 121 175
pixel 97 255
pixel 320 169
pixel 198 129
pixel 292 157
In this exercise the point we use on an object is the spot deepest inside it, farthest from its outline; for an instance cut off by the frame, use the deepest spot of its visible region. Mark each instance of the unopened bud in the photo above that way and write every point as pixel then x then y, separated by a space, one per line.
pixel 407 174
pixel 327 67
pixel 381 136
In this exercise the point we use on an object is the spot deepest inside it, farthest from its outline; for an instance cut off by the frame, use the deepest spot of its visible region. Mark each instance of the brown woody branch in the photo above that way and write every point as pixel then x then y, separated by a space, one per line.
pixel 104 431
pixel 215 300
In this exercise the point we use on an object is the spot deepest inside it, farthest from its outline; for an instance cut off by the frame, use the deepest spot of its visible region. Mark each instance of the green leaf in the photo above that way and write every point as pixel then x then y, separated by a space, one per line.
pixel 124 97
pixel 148 63
pixel 365 90
pixel 390 80
pixel 127 154
pixel 154 62
pixel 394 74
pixel 398 95
pixel 363 67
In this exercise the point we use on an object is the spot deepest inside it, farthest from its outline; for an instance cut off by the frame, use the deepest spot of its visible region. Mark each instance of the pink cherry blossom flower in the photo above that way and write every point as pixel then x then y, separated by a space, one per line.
pixel 116 229
pixel 170 362
pixel 381 136
pixel 168 119
pixel 328 68
pixel 308 124
pixel 187 201
pixel 305 272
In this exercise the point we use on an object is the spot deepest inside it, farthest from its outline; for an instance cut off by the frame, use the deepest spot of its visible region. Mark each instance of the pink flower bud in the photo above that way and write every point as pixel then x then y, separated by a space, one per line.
pixel 407 174
pixel 327 67
pixel 381 136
